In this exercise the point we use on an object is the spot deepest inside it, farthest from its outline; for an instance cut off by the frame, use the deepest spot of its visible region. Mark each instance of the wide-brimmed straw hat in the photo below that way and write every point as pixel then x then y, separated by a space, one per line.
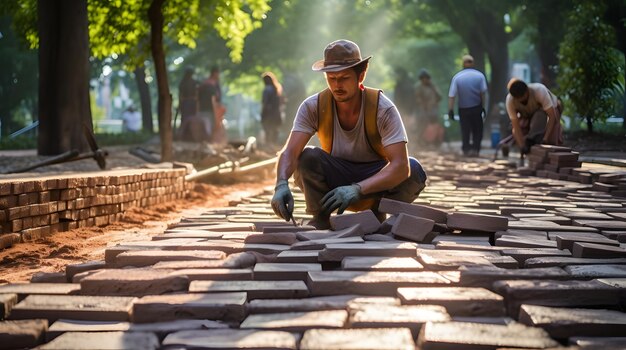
pixel 339 55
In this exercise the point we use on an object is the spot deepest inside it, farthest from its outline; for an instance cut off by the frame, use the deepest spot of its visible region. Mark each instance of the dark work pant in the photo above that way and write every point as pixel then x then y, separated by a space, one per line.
pixel 471 125
pixel 318 172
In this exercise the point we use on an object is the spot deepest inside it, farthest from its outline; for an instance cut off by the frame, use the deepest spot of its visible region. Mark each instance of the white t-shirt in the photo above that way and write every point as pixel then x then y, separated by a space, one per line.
pixel 468 84
pixel 352 144
pixel 539 98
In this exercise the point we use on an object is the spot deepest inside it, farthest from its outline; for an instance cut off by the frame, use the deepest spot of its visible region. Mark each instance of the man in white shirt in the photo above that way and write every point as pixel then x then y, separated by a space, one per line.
pixel 535 114
pixel 363 155
pixel 470 86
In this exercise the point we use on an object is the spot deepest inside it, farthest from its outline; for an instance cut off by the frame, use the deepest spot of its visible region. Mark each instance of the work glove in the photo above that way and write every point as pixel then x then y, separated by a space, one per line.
pixel 451 114
pixel 340 198
pixel 282 202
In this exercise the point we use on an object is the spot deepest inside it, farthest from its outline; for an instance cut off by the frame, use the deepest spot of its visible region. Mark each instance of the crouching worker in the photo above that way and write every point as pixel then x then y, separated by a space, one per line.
pixel 535 114
pixel 363 155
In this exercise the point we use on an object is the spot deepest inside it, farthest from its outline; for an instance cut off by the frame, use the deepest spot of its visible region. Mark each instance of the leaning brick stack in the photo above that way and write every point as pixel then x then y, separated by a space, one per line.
pixel 553 162
pixel 31 208
pixel 561 163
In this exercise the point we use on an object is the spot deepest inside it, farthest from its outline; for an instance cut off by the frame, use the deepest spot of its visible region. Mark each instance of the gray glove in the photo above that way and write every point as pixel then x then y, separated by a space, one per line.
pixel 282 202
pixel 341 198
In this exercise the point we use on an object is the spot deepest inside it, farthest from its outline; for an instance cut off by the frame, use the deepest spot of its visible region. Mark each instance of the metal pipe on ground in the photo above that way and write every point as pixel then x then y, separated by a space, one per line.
pixel 229 167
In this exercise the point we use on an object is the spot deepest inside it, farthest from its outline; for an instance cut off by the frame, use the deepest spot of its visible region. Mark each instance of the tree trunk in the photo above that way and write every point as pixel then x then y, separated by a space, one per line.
pixel 155 15
pixel 144 96
pixel 63 76
pixel 589 125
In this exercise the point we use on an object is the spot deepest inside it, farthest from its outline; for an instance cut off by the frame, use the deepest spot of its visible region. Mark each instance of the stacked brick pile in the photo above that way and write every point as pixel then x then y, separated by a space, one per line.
pixel 31 208
pixel 561 163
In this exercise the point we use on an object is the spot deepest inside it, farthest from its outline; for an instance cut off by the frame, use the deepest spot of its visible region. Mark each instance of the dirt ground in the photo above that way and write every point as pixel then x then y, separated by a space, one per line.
pixel 20 262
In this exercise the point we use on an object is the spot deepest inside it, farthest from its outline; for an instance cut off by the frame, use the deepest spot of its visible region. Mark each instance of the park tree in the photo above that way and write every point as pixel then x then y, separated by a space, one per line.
pixel 481 25
pixel 615 16
pixel 537 17
pixel 588 62
pixel 135 28
pixel 18 81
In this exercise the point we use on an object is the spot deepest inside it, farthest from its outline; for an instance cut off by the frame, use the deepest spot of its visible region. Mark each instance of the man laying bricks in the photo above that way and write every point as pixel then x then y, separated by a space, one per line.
pixel 535 114
pixel 363 155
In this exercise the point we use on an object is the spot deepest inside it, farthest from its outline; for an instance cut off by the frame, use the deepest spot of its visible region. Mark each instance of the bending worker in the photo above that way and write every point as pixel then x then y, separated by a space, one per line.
pixel 363 155
pixel 535 114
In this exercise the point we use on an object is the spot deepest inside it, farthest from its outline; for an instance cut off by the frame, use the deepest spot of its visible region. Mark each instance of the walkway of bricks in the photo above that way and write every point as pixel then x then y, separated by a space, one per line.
pixel 484 259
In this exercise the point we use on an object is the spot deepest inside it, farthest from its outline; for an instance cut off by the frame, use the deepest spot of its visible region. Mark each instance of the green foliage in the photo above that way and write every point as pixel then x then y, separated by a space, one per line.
pixel 589 66
pixel 19 142
pixel 18 80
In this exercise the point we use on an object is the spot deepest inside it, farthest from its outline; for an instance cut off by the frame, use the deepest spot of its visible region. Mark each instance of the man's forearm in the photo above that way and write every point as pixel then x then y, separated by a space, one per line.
pixel 390 176
pixel 552 119
pixel 450 103
pixel 286 166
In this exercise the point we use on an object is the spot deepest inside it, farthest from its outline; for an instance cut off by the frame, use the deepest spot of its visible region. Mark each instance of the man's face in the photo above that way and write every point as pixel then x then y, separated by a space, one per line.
pixel 344 84
pixel 523 99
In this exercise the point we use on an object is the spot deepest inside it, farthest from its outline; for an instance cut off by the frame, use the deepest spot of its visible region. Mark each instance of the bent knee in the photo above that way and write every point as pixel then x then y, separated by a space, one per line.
pixel 309 159
pixel 418 174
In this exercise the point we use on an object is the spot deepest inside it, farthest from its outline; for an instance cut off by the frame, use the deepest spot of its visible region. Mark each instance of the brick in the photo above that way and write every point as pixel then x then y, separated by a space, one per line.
pixel 369 283
pixel 486 276
pixel 104 340
pixel 23 334
pixel 7 301
pixel 232 339
pixel 133 282
pixel 591 250
pixel 477 222
pixel 233 261
pixel 213 306
pixel 375 263
pixel 75 307
pixel 160 328
pixel 452 260
pixel 48 277
pixel 521 242
pixel 298 256
pixel 596 271
pixel 9 239
pixel 352 231
pixel 296 321
pixel 366 338
pixel 563 323
pixel 522 254
pixel 394 207
pixel 319 244
pixel 287 238
pixel 550 261
pixel 466 336
pixel 597 342
pixel 254 289
pixel 591 294
pixel 368 221
pixel 333 302
pixel 25 289
pixel 281 271
pixel 413 228
pixel 336 252
pixel 386 316
pixel 140 258
pixel 215 274
pixel 567 242
pixel 458 301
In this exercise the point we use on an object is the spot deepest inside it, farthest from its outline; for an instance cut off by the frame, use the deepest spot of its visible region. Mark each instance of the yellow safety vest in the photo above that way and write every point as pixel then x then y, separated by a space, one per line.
pixel 326 122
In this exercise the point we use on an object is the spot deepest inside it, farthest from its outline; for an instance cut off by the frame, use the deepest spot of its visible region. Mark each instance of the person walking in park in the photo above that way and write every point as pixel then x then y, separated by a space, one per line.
pixel 535 114
pixel 210 106
pixel 363 155
pixel 470 86
pixel 271 119
pixel 188 95
pixel 427 97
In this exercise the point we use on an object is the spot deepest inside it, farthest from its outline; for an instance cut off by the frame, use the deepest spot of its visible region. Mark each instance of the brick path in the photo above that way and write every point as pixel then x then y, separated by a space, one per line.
pixel 484 259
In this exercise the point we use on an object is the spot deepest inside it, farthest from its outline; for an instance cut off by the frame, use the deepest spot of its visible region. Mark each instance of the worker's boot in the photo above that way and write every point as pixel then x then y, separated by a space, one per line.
pixel 320 221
